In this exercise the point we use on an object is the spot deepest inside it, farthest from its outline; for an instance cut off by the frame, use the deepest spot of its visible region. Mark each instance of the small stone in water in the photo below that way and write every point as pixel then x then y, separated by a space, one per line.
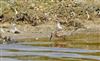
pixel 36 38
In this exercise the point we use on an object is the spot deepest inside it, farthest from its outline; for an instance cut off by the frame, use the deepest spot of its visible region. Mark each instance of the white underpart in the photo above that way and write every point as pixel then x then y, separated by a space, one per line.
pixel 59 26
pixel 14 28
pixel 4 42
pixel 16 12
pixel 88 16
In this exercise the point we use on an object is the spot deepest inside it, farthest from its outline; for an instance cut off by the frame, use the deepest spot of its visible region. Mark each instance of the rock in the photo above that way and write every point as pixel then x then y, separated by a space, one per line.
pixel 8 40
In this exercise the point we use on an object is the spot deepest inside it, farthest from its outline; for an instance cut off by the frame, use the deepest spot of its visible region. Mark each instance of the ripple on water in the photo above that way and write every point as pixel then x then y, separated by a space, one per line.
pixel 37 48
pixel 51 52
pixel 8 59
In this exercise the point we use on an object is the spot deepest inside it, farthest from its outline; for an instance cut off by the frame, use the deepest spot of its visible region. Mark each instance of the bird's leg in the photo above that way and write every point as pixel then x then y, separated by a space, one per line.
pixel 9 39
pixel 51 36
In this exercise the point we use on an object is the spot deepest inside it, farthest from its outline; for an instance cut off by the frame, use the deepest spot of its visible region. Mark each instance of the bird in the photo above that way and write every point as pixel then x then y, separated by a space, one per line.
pixel 58 26
pixel 8 40
pixel 58 33
pixel 88 16
pixel 4 42
pixel 14 29
pixel 16 12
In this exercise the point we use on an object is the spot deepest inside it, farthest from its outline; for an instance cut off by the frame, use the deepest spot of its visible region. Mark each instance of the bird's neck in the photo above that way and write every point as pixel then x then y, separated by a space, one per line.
pixel 58 25
pixel 16 12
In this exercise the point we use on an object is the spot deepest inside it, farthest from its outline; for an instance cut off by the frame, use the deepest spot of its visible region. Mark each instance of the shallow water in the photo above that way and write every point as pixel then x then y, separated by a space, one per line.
pixel 74 48
pixel 28 52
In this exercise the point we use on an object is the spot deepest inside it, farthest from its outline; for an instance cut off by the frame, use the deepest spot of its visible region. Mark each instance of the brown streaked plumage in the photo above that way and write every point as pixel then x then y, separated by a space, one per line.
pixel 58 32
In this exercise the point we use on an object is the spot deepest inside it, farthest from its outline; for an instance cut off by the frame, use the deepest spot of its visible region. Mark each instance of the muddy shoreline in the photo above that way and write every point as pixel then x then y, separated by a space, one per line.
pixel 37 20
pixel 45 36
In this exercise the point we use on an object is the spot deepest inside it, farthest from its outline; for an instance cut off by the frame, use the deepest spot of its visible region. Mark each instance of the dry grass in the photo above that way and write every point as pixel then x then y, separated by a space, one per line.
pixel 49 10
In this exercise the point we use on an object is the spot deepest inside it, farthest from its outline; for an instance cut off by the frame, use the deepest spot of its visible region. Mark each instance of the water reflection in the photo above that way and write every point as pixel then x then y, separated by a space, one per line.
pixel 50 54
pixel 8 51
pixel 37 48
pixel 8 59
